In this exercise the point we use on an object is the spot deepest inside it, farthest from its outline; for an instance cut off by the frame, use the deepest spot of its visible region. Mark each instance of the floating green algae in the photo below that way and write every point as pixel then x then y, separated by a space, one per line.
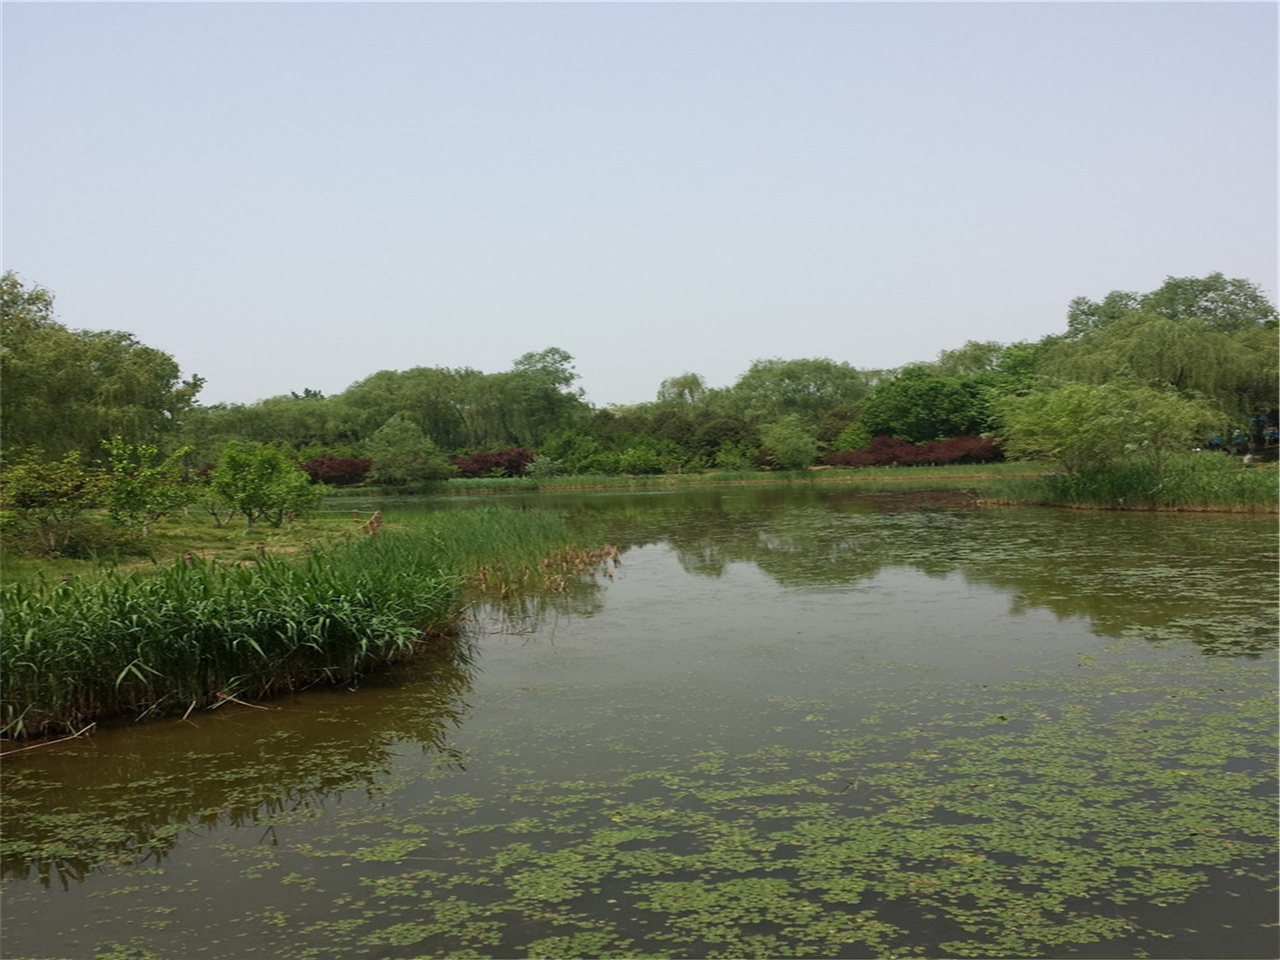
pixel 1019 822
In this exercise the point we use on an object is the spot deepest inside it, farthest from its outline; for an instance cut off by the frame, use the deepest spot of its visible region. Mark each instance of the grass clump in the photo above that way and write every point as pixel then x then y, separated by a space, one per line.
pixel 198 631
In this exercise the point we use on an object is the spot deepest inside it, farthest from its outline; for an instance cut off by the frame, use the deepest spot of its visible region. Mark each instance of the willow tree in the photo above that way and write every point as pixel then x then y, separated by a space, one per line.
pixel 809 388
pixel 1078 426
pixel 64 390
pixel 687 389
pixel 1235 371
pixel 433 398
pixel 1220 303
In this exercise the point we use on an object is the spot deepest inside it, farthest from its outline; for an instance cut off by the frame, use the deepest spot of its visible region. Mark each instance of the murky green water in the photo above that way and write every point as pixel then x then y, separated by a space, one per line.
pixel 792 723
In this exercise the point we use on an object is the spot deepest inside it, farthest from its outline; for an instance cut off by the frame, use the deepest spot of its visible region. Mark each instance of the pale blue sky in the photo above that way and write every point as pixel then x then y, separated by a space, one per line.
pixel 290 195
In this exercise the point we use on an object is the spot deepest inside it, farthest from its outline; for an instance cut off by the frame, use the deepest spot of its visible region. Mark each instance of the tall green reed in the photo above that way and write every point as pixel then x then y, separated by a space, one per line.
pixel 190 634
pixel 1200 481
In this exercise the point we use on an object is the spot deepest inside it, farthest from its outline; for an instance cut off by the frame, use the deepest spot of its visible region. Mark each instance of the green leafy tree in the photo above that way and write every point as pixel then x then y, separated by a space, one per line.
pixel 718 430
pixel 261 482
pixel 790 442
pixel 688 389
pixel 67 390
pixel 141 486
pixel 772 389
pixel 1235 370
pixel 974 358
pixel 552 367
pixel 853 437
pixel 49 499
pixel 570 449
pixel 1219 303
pixel 434 398
pixel 1078 426
pixel 402 453
pixel 735 455
pixel 919 406
pixel 642 458
pixel 1084 315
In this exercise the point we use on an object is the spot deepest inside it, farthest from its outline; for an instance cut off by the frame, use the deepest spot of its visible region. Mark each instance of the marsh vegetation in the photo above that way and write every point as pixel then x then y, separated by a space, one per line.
pixel 192 632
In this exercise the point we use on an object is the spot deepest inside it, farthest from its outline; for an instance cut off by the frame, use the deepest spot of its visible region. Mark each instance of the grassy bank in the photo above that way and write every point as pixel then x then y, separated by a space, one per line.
pixel 190 633
pixel 1203 481
pixel 962 473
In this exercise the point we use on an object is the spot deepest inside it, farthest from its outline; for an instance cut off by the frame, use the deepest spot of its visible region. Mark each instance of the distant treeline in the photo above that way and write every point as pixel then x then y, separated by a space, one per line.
pixel 1206 345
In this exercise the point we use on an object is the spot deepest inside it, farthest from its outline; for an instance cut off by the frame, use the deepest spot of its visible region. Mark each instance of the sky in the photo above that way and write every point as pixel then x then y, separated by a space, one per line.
pixel 289 196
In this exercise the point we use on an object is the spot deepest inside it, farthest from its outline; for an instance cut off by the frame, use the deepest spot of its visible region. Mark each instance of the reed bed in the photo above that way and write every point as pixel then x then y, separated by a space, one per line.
pixel 1202 481
pixel 200 632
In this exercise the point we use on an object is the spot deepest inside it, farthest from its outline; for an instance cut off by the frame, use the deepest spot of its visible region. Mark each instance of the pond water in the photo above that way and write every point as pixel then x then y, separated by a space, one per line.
pixel 791 722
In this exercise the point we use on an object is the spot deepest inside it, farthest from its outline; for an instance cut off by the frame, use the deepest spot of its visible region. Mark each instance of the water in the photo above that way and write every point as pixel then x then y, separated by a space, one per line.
pixel 792 722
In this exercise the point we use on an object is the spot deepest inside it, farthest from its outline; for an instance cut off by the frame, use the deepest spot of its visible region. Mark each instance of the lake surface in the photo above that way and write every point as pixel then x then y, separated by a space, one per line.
pixel 792 722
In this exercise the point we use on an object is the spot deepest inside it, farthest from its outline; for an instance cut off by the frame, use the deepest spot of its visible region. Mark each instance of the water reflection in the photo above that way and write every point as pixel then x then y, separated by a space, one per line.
pixel 1206 579
pixel 128 794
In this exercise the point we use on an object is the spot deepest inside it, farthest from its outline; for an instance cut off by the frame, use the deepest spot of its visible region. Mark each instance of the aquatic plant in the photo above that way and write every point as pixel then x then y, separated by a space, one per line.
pixel 1201 481
pixel 80 650
pixel 199 631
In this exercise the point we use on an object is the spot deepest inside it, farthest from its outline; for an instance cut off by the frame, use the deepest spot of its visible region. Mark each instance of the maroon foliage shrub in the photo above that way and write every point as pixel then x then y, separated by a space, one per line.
pixel 500 463
pixel 336 471
pixel 887 451
pixel 968 449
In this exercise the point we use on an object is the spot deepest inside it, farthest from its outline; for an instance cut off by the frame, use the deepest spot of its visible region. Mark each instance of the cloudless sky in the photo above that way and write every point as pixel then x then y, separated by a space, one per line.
pixel 297 195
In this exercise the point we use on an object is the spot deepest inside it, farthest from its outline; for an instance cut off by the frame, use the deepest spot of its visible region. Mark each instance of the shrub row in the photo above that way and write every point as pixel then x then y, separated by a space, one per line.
pixel 887 451
pixel 337 471
pixel 511 462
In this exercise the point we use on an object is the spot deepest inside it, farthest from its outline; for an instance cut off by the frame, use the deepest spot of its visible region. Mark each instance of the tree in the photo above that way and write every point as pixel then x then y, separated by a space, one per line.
pixel 772 389
pixel 717 431
pixel 853 437
pixel 261 482
pixel 1219 303
pixel 1236 371
pixel 511 462
pixel 790 442
pixel 1084 315
pixel 570 448
pixel 67 390
pixel 919 406
pixel 552 367
pixel 337 471
pixel 687 389
pixel 974 358
pixel 1079 425
pixel 402 453
pixel 141 486
pixel 434 398
pixel 49 498
pixel 1222 304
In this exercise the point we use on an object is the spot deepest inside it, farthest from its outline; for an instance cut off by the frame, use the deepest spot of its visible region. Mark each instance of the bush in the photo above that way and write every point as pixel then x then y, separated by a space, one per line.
pixel 337 471
pixel 544 466
pixel 259 482
pixel 886 451
pixel 512 462
pixel 47 499
pixel 640 459
pixel 402 453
